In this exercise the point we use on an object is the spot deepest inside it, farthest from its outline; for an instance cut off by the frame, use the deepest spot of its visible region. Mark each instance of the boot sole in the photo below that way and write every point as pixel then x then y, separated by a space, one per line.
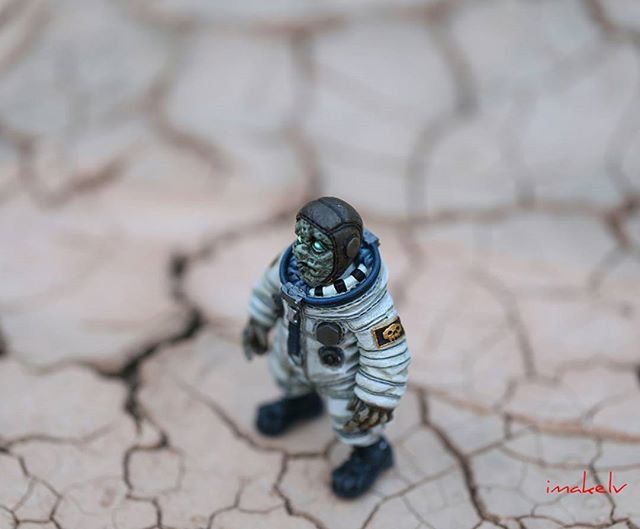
pixel 386 465
pixel 297 421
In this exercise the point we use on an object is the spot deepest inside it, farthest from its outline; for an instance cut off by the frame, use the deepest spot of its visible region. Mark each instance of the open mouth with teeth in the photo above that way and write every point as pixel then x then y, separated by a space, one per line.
pixel 307 269
pixel 311 274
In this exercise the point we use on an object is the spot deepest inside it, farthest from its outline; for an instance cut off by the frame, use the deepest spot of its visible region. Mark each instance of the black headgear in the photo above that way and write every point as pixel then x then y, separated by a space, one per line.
pixel 341 223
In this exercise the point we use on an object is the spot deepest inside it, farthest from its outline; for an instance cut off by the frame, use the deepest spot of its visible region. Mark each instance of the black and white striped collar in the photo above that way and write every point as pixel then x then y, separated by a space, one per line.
pixel 342 285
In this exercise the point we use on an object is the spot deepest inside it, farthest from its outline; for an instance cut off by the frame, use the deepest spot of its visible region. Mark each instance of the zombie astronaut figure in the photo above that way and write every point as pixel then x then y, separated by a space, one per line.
pixel 338 336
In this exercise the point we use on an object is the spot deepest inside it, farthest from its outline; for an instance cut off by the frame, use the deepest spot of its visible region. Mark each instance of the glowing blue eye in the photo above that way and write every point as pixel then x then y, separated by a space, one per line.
pixel 318 247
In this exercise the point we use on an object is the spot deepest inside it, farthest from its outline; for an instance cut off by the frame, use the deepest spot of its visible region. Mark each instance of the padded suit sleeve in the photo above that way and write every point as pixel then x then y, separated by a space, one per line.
pixel 384 359
pixel 263 306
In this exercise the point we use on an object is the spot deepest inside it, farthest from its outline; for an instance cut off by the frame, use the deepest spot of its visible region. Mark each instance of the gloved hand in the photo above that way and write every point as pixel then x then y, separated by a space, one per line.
pixel 366 416
pixel 255 339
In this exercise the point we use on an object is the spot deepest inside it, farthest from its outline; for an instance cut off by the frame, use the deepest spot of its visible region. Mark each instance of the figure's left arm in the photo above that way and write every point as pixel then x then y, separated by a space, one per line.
pixel 381 379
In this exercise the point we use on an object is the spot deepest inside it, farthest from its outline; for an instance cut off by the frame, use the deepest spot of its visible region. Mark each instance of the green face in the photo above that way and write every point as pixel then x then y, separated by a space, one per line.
pixel 314 252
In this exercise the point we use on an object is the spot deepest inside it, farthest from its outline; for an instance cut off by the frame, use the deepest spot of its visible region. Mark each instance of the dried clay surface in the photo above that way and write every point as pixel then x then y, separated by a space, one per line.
pixel 152 157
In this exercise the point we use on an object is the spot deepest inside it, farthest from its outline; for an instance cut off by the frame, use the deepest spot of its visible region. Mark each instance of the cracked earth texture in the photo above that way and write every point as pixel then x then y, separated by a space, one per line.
pixel 152 156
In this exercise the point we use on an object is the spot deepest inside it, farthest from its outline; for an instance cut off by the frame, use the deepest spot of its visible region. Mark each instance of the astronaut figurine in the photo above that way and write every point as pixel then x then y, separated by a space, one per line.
pixel 338 338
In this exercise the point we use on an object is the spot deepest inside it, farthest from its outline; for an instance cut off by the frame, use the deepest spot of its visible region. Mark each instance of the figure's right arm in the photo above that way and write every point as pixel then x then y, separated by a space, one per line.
pixel 263 311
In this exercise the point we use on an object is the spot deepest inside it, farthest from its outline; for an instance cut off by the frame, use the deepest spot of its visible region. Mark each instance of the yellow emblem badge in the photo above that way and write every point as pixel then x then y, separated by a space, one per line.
pixel 388 333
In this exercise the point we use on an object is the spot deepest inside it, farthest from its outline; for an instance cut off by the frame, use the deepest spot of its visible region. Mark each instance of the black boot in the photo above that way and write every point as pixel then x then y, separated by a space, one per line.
pixel 275 418
pixel 358 473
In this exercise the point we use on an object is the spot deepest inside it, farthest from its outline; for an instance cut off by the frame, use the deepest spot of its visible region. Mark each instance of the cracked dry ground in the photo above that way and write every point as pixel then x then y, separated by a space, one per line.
pixel 153 154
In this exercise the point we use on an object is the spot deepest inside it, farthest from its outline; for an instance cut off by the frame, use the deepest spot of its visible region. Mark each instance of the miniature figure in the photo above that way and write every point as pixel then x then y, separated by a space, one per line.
pixel 338 337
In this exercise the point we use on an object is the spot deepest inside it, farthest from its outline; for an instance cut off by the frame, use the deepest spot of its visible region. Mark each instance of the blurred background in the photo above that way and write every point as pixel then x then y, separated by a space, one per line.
pixel 153 155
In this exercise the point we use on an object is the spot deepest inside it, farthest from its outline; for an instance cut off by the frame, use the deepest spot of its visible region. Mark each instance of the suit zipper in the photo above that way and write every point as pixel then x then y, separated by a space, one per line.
pixel 293 296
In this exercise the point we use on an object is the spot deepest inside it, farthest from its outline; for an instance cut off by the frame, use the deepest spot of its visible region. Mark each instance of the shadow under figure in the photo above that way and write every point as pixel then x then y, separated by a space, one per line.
pixel 338 337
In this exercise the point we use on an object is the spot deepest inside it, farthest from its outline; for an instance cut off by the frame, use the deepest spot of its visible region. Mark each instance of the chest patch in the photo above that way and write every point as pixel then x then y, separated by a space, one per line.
pixel 388 333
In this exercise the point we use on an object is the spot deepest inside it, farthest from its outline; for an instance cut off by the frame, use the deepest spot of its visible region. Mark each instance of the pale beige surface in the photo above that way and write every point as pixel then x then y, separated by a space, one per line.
pixel 152 157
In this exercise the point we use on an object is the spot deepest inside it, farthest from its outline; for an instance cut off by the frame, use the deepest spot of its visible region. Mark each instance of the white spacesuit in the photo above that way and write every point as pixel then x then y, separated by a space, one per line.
pixel 339 340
